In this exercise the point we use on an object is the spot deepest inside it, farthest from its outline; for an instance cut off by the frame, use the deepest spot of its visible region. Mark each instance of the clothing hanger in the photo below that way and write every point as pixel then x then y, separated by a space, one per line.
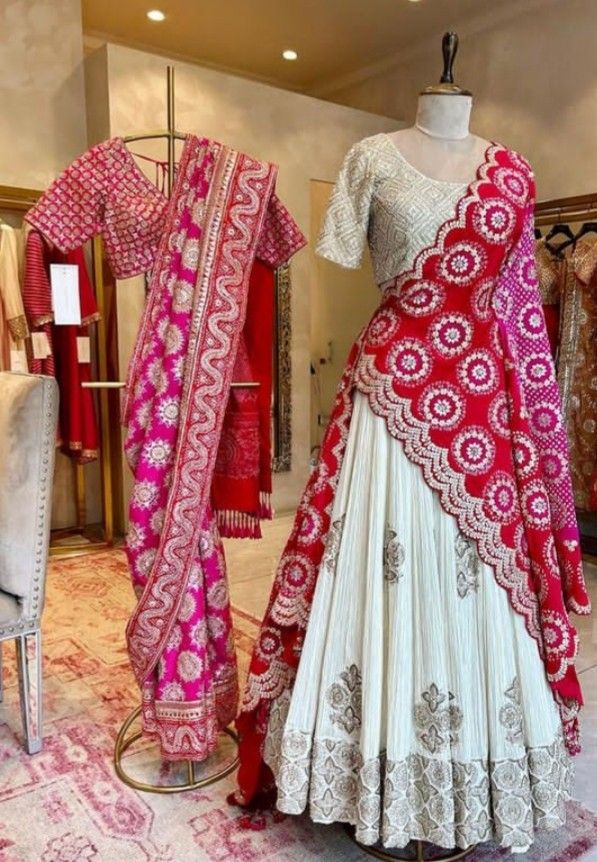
pixel 587 227
pixel 560 228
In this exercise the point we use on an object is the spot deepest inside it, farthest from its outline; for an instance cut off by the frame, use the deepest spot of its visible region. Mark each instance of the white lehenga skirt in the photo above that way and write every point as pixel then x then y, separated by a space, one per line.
pixel 421 708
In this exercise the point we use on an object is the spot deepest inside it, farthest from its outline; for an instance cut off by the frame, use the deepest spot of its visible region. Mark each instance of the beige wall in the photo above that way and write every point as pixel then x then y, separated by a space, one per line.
pixel 306 137
pixel 534 79
pixel 42 128
pixel 342 302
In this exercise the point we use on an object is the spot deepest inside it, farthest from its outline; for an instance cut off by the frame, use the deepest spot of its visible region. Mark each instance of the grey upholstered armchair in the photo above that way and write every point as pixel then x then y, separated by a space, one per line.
pixel 28 416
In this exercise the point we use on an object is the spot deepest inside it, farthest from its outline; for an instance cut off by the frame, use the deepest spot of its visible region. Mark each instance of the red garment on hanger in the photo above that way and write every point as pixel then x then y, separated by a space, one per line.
pixel 78 422
pixel 78 435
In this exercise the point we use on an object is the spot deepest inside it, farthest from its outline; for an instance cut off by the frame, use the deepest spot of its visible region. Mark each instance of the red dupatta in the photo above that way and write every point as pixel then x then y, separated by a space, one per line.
pixel 457 362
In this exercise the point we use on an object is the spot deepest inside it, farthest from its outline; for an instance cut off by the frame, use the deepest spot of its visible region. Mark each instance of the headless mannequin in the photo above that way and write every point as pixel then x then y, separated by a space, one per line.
pixel 440 145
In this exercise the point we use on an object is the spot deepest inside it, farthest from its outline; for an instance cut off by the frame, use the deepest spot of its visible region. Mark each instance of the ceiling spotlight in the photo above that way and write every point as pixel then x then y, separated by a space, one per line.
pixel 156 15
pixel 289 54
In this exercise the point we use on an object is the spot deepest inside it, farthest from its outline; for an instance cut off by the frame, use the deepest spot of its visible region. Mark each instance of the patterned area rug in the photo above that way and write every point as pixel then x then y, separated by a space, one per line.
pixel 67 805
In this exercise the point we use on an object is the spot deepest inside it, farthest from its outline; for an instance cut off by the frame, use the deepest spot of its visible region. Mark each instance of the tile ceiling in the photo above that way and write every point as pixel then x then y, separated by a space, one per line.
pixel 332 37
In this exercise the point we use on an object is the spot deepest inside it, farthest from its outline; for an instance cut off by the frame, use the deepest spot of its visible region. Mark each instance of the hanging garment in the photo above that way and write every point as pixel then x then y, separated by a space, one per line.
pixel 37 299
pixel 549 272
pixel 78 422
pixel 77 428
pixel 414 673
pixel 200 246
pixel 577 366
pixel 13 323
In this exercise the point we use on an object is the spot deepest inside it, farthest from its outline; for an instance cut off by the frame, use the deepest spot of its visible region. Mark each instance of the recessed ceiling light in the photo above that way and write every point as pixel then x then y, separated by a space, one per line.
pixel 156 15
pixel 289 54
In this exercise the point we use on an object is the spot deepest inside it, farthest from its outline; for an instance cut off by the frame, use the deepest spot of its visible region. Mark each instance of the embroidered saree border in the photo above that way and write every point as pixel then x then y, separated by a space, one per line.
pixel 232 219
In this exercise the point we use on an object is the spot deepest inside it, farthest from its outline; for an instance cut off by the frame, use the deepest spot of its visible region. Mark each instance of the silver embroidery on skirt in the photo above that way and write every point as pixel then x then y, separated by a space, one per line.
pixel 444 801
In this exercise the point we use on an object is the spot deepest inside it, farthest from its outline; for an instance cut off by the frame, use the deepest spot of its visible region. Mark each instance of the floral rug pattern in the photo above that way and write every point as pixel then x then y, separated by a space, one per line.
pixel 66 804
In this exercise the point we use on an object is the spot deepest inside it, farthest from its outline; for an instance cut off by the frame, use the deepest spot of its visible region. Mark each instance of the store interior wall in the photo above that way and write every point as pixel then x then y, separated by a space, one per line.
pixel 534 86
pixel 306 137
pixel 342 302
pixel 42 128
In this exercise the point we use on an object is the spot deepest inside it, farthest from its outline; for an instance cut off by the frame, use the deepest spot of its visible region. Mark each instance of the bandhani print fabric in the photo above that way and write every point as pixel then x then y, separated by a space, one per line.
pixel 201 245
pixel 457 362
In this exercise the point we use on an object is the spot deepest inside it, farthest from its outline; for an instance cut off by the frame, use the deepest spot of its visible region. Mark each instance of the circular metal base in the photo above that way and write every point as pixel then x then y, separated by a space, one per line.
pixel 123 743
pixel 378 853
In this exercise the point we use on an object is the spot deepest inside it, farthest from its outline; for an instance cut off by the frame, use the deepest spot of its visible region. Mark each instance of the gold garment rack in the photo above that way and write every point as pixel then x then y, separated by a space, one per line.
pixel 569 210
pixel 169 134
pixel 20 200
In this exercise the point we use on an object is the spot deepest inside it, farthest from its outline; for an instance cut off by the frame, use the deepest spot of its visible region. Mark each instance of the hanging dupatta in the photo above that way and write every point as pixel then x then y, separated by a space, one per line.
pixel 457 362
pixel 223 212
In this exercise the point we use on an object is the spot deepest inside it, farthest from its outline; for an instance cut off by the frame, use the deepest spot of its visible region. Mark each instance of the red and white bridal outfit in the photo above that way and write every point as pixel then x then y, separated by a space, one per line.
pixel 414 674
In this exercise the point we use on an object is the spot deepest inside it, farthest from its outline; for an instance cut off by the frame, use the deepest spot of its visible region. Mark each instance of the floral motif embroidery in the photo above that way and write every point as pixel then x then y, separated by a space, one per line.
pixel 467 562
pixel 345 700
pixel 450 800
pixel 393 556
pixel 332 546
pixel 511 713
pixel 438 719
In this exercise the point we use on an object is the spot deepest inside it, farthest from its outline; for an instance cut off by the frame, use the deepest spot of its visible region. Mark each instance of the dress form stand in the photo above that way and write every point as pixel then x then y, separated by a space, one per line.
pixel 125 738
pixel 441 132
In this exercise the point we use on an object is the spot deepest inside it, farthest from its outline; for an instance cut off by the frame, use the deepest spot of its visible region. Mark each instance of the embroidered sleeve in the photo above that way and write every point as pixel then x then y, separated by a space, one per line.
pixel 36 288
pixel 518 306
pixel 344 232
pixel 71 210
pixel 280 237
pixel 10 288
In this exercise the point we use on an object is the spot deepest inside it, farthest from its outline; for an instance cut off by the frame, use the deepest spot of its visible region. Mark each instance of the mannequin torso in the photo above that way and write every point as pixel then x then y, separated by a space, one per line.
pixel 440 145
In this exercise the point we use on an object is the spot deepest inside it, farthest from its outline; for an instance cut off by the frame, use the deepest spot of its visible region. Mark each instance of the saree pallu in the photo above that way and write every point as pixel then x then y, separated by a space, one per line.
pixel 223 213
pixel 457 362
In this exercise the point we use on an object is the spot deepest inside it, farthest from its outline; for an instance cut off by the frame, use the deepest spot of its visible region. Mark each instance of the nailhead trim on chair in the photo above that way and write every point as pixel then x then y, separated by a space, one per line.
pixel 48 435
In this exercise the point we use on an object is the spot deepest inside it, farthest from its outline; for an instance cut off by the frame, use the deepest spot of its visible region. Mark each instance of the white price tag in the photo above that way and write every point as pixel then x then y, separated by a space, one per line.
pixel 83 348
pixel 64 279
pixel 40 345
pixel 18 361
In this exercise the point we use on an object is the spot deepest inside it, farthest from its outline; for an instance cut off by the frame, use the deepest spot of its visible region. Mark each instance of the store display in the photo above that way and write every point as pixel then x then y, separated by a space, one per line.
pixel 445 457
pixel 577 362
pixel 200 246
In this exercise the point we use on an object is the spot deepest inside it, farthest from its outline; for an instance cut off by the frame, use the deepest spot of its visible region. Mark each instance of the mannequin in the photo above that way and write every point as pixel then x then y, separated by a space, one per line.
pixel 440 144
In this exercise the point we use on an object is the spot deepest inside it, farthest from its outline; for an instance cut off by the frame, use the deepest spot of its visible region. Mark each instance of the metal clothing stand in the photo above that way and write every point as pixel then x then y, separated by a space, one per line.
pixel 125 739
pixel 18 201
pixel 569 210
pixel 419 848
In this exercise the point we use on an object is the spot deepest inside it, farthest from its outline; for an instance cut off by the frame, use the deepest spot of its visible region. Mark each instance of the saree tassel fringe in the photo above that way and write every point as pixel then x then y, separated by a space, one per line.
pixel 238 525
pixel 266 512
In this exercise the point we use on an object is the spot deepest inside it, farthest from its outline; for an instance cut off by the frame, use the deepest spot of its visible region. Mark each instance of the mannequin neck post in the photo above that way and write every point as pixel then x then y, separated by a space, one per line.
pixel 444 116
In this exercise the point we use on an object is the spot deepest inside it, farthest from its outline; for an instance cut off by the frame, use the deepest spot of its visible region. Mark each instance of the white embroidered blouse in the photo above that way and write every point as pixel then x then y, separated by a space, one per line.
pixel 380 197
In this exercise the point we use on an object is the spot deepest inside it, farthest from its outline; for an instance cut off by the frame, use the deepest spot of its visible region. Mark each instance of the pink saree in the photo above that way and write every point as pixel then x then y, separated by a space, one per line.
pixel 201 246
pixel 180 635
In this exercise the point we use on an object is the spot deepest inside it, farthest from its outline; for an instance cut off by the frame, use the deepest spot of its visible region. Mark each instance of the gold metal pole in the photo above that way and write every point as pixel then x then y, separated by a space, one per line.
pixel 171 126
pixel 80 497
pixel 124 742
pixel 378 853
pixel 102 362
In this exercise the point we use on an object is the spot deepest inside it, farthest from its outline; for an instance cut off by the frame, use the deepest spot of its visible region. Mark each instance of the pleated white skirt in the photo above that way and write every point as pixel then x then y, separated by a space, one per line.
pixel 421 708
